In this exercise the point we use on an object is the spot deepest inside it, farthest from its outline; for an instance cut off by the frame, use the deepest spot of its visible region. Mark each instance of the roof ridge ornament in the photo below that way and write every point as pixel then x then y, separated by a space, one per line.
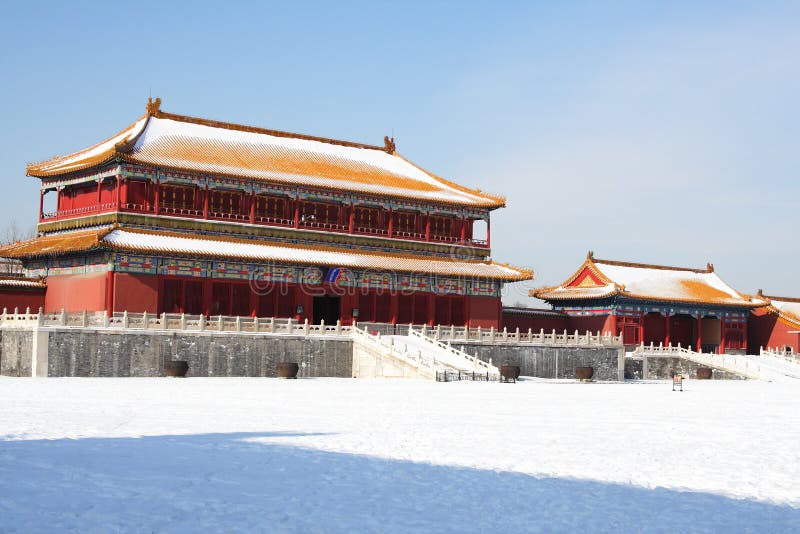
pixel 590 255
pixel 710 267
pixel 153 106
pixel 388 144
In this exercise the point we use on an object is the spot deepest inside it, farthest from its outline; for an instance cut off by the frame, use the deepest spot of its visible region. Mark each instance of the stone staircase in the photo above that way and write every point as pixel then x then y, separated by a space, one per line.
pixel 412 356
pixel 740 364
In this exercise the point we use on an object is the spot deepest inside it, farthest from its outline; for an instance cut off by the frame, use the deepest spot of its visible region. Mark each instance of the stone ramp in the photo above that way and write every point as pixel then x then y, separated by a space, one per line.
pixel 753 367
pixel 412 356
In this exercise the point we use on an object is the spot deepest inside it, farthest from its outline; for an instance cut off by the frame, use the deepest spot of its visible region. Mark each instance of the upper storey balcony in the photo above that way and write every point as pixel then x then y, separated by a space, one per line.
pixel 191 202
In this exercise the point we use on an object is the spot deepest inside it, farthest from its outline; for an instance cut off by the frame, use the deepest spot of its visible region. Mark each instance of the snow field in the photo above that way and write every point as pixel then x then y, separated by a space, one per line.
pixel 397 455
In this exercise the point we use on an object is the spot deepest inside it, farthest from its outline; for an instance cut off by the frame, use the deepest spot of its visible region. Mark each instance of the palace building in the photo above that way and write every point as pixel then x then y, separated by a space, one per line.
pixel 776 325
pixel 178 214
pixel 655 304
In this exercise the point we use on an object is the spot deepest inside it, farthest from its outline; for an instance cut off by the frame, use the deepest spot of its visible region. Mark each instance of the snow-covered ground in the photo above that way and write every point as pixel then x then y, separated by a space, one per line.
pixel 332 455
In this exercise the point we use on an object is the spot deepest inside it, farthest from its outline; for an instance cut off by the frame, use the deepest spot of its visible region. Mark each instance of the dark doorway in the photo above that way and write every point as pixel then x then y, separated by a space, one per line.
pixel 326 309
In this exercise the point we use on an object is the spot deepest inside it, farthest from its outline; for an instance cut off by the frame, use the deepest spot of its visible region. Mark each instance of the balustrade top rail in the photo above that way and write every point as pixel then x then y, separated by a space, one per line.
pixel 170 321
pixel 492 335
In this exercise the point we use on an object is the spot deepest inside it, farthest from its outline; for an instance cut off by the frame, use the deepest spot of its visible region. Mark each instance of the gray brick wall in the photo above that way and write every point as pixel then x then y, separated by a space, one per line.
pixel 549 361
pixel 94 353
pixel 15 352
pixel 664 368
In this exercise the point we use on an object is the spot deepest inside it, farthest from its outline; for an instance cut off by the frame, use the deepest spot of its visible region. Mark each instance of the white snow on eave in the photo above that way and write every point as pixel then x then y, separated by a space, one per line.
pixel 264 252
pixel 792 308
pixel 663 283
pixel 78 158
pixel 19 283
pixel 160 127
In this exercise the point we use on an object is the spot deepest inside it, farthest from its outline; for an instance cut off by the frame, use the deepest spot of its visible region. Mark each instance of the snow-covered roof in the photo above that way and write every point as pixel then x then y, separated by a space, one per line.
pixel 148 241
pixel 598 278
pixel 21 283
pixel 198 145
pixel 786 308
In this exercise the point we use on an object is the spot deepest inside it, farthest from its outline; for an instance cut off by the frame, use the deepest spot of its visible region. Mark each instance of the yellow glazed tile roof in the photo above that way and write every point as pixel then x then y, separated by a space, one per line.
pixel 191 144
pixel 153 242
pixel 598 278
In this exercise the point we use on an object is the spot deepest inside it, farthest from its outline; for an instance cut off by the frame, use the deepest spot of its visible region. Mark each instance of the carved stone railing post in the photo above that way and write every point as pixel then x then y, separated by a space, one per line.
pixel 105 319
pixel 125 319
pixel 201 325
pixel 183 321
pixel 144 320
pixel 84 318
pixel 219 323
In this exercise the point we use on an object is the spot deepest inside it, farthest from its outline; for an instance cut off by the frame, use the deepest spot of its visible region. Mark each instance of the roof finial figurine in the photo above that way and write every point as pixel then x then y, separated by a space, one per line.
pixel 388 143
pixel 590 255
pixel 710 267
pixel 153 106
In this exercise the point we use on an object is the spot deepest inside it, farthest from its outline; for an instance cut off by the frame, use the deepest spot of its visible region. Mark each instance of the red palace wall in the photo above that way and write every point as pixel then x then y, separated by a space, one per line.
pixel 591 323
pixel 76 292
pixel 512 321
pixel 766 330
pixel 156 294
pixel 485 312
pixel 135 293
pixel 21 299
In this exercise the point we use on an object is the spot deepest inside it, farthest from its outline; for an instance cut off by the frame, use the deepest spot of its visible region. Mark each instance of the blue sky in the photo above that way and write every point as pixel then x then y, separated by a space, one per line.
pixel 664 132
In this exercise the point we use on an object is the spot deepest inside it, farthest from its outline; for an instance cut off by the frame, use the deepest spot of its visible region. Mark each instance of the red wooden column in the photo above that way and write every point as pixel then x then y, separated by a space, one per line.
pixel 463 229
pixel 699 332
pixel 205 202
pixel 156 200
pixel 393 307
pixel 427 227
pixel 119 192
pixel 489 232
pixel 667 329
pixel 297 211
pixel 744 335
pixel 431 309
pixel 722 336
pixel 125 197
pixel 41 205
pixel 99 191
pixel 351 224
pixel 641 328
pixel 613 324
pixel 253 209
pixel 391 221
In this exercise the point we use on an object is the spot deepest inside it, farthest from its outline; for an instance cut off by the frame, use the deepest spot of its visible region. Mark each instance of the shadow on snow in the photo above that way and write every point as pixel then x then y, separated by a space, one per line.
pixel 234 481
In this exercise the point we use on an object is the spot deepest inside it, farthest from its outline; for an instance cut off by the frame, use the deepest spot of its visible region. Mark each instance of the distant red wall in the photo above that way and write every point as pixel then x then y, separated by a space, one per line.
pixel 484 312
pixel 135 293
pixel 591 323
pixel 11 298
pixel 512 321
pixel 767 330
pixel 76 292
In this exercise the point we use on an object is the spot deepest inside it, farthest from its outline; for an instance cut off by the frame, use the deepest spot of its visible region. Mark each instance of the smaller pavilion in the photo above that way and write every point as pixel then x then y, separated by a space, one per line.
pixel 776 325
pixel 654 304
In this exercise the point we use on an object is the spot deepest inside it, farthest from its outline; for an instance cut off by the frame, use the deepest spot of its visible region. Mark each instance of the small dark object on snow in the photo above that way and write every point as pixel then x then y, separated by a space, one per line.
pixel 584 373
pixel 177 368
pixel 509 372
pixel 704 373
pixel 288 370
pixel 677 380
